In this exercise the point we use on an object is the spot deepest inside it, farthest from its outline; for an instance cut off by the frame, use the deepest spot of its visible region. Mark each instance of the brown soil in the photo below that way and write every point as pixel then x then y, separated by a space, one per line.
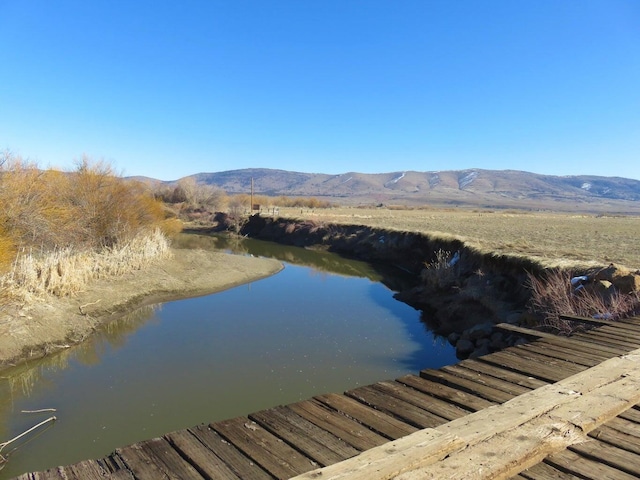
pixel 49 324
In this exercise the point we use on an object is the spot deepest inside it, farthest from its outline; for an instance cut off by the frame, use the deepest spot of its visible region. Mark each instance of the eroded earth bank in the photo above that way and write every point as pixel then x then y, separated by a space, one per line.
pixel 462 292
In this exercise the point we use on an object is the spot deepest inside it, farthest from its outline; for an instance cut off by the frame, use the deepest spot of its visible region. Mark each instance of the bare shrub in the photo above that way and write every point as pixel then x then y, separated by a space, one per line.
pixel 441 273
pixel 553 295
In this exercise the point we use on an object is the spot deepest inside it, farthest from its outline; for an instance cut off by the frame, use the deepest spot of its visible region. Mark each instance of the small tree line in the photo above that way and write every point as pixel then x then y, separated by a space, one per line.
pixel 192 196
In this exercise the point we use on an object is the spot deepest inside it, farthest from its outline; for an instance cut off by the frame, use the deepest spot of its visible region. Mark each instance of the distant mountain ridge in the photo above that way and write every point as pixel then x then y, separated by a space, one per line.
pixel 472 187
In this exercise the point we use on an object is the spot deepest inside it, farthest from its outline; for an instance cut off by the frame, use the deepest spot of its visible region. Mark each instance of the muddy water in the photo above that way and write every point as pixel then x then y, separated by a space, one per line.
pixel 323 324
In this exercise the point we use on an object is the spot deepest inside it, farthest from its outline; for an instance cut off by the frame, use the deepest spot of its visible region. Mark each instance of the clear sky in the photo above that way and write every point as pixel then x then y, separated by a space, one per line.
pixel 169 89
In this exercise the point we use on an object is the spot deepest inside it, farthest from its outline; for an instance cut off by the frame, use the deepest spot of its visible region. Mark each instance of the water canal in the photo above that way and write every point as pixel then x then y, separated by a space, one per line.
pixel 323 324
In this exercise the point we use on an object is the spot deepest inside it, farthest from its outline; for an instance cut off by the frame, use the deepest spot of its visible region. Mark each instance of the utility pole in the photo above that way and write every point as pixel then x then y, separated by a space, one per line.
pixel 251 206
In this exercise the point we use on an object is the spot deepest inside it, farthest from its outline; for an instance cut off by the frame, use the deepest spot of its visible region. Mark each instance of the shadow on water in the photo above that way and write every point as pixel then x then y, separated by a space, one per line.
pixel 394 278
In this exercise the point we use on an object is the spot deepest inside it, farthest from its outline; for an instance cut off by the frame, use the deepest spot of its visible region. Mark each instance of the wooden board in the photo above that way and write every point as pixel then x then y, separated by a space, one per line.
pixel 155 458
pixel 208 463
pixel 469 386
pixel 502 373
pixel 352 432
pixel 415 397
pixel 374 419
pixel 272 454
pixel 620 439
pixel 241 465
pixel 316 443
pixel 543 471
pixel 529 366
pixel 573 463
pixel 556 351
pixel 398 408
pixel 465 400
pixel 489 381
pixel 607 454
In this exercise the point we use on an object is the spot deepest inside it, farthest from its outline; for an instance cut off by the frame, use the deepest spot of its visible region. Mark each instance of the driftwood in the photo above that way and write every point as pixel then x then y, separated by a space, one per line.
pixel 18 437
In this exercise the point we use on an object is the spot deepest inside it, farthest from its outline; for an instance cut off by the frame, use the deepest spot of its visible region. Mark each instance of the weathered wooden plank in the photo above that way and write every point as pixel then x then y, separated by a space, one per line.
pixel 267 450
pixel 154 459
pixel 474 388
pixel 617 458
pixel 316 443
pixel 582 347
pixel 555 338
pixel 399 408
pixel 581 358
pixel 587 320
pixel 95 470
pixel 55 473
pixel 543 471
pixel 555 364
pixel 617 438
pixel 502 373
pixel 632 415
pixel 341 426
pixel 442 409
pixel 376 420
pixel 388 460
pixel 525 332
pixel 243 466
pixel 610 340
pixel 487 380
pixel 457 397
pixel 622 425
pixel 629 329
pixel 204 460
pixel 528 366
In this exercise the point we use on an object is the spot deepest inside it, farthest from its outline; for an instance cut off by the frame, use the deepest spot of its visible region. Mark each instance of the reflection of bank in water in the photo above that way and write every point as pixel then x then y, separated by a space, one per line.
pixel 19 382
pixel 21 379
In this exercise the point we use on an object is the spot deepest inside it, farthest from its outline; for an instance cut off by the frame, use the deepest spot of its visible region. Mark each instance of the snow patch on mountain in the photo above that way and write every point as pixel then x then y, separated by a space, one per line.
pixel 395 180
pixel 467 179
pixel 586 186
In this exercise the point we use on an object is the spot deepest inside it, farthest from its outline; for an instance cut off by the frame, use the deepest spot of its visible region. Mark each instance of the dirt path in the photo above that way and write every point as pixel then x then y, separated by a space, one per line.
pixel 50 324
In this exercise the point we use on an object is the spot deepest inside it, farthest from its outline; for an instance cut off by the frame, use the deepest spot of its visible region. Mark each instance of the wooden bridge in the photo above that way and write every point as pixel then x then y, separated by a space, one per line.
pixel 555 408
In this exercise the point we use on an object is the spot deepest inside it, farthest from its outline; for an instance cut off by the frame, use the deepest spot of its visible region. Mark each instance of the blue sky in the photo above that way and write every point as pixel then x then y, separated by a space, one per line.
pixel 169 89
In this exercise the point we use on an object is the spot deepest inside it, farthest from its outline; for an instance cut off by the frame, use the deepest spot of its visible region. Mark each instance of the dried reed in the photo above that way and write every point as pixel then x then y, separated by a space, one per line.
pixel 66 272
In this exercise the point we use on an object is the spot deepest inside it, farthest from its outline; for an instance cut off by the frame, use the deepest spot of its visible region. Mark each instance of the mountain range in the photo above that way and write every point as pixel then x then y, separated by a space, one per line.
pixel 474 188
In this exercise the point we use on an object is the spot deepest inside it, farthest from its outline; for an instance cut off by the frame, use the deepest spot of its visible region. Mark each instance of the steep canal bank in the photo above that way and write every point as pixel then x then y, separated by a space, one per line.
pixel 461 291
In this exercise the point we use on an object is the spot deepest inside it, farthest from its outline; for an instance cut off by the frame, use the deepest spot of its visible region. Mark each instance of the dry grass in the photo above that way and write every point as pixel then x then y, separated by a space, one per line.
pixel 554 296
pixel 552 239
pixel 65 272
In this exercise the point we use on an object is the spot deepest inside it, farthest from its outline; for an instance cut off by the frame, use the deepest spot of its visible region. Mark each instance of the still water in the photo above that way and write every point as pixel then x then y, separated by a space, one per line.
pixel 323 324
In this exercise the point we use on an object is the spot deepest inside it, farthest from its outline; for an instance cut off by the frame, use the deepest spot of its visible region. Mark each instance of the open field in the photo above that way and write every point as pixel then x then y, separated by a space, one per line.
pixel 554 239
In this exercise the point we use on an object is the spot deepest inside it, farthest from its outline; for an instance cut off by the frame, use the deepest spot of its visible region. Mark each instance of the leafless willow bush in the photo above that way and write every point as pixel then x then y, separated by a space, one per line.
pixel 553 295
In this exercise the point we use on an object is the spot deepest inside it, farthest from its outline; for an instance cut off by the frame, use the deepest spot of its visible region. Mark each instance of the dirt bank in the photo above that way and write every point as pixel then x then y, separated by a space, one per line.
pixel 49 324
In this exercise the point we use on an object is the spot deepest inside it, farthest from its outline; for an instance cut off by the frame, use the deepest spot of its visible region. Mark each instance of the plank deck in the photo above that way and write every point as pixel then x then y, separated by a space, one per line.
pixel 287 441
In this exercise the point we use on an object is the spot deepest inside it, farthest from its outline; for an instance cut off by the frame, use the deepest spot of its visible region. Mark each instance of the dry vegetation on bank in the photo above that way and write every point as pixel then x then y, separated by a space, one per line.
pixel 58 230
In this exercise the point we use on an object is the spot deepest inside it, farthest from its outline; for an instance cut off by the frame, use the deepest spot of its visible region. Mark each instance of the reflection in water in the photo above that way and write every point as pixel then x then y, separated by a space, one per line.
pixel 303 331
pixel 320 260
pixel 19 382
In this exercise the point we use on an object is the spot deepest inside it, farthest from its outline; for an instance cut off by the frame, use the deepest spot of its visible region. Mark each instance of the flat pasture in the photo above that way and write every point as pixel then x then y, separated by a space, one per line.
pixel 553 239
